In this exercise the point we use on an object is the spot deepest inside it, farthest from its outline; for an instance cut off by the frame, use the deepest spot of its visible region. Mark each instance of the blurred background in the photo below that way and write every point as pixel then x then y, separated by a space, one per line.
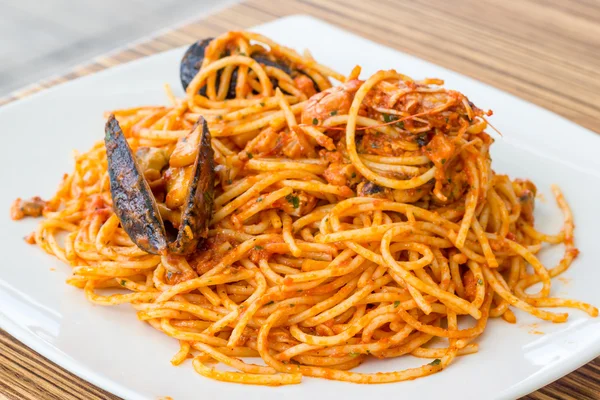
pixel 41 38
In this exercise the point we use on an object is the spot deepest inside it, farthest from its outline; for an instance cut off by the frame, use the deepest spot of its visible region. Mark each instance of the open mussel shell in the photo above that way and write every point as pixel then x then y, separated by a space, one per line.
pixel 192 61
pixel 197 209
pixel 135 205
pixel 133 201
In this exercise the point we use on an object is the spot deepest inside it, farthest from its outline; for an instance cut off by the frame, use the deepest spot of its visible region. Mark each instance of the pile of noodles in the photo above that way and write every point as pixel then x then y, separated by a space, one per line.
pixel 356 221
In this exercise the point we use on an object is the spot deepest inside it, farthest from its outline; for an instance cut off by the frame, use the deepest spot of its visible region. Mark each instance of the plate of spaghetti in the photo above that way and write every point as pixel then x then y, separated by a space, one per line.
pixel 258 209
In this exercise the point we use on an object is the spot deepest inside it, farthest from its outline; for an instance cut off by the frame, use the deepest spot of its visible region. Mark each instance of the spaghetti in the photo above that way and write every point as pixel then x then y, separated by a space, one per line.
pixel 355 221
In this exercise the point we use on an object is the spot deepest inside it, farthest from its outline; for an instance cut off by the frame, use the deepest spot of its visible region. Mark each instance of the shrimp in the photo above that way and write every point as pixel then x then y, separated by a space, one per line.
pixel 335 100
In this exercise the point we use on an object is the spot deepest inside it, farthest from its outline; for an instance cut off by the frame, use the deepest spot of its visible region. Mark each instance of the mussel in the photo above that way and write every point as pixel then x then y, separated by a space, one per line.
pixel 137 209
pixel 193 57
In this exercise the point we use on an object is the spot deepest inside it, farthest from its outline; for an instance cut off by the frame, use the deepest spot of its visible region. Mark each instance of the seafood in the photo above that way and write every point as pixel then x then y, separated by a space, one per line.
pixel 33 207
pixel 330 102
pixel 194 56
pixel 137 208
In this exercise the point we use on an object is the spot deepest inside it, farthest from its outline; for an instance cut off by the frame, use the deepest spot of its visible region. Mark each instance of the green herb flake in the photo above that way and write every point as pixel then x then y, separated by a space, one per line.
pixel 260 199
pixel 400 124
pixel 315 121
pixel 353 175
pixel 293 200
pixel 396 303
pixel 262 104
pixel 334 112
pixel 292 305
pixel 435 362
pixel 123 282
pixel 443 161
pixel 219 117
pixel 354 354
pixel 250 156
pixel 269 303
pixel 480 281
pixel 258 248
pixel 229 181
pixel 388 117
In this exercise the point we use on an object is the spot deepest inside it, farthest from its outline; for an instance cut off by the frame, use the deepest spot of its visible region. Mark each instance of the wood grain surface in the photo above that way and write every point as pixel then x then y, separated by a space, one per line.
pixel 545 51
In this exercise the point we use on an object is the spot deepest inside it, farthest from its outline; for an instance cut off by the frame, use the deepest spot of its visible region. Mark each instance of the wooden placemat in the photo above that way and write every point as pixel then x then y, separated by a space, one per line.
pixel 545 51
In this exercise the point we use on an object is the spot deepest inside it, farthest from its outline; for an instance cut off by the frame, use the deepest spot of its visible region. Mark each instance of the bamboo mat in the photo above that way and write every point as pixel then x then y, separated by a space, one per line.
pixel 545 51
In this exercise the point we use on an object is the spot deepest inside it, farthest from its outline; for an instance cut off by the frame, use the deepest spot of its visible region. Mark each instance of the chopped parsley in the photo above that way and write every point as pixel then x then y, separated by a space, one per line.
pixel 334 112
pixel 396 303
pixel 392 118
pixel 249 155
pixel 435 362
pixel 293 200
pixel 354 175
pixel 480 282
pixel 257 248
pixel 262 104
pixel 123 283
pixel 354 354
pixel 229 181
pixel 292 305
pixel 443 161
pixel 315 121
pixel 259 199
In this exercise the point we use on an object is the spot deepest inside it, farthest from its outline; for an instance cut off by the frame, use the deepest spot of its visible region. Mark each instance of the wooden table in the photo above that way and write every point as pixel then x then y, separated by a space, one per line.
pixel 545 51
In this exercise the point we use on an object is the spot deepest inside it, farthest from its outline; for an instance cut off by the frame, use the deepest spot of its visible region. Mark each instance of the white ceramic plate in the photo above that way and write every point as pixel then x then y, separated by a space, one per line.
pixel 111 348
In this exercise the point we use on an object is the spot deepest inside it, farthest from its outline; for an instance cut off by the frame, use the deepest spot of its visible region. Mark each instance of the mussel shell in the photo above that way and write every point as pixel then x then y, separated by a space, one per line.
pixel 192 61
pixel 133 201
pixel 135 205
pixel 197 210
